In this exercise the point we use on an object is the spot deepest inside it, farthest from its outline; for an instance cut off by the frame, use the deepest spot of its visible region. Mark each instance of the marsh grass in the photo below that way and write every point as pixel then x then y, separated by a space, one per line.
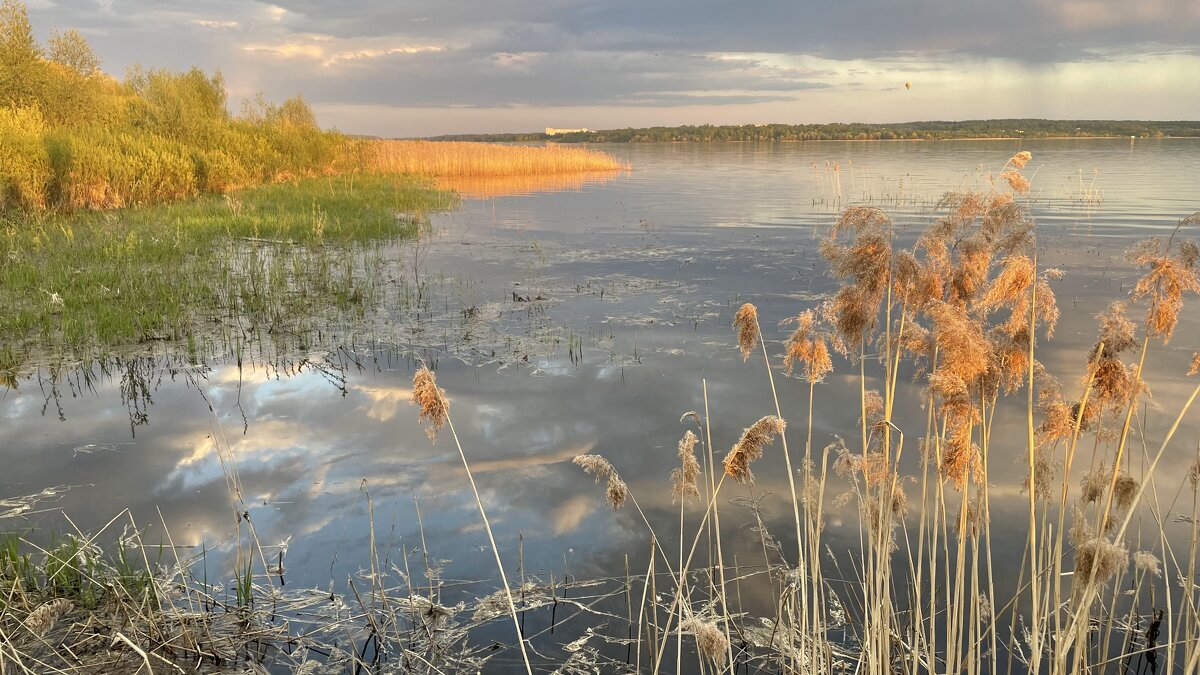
pixel 272 259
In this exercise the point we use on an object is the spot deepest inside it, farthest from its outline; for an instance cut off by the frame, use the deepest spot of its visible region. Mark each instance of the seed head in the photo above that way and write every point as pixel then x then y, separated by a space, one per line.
pixel 595 465
pixel 41 620
pixel 1020 159
pixel 1147 562
pixel 1100 557
pixel 976 518
pixel 750 447
pixel 806 346
pixel 962 457
pixel 1044 470
pixel 1093 485
pixel 683 479
pixel 1016 181
pixel 431 400
pixel 1125 491
pixel 710 641
pixel 1116 333
pixel 746 323
pixel 615 493
pixel 1166 281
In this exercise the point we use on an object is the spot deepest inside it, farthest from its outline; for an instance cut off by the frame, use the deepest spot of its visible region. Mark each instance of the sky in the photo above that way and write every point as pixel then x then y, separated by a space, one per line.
pixel 426 67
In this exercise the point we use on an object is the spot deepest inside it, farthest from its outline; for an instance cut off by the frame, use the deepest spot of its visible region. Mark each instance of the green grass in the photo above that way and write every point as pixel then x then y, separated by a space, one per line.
pixel 267 258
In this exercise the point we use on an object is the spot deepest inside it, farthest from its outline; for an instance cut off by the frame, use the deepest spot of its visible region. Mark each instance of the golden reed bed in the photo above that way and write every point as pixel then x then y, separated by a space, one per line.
pixel 460 160
pixel 487 187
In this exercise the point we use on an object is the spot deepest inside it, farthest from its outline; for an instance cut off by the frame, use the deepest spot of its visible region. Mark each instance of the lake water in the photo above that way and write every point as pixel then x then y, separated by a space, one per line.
pixel 583 320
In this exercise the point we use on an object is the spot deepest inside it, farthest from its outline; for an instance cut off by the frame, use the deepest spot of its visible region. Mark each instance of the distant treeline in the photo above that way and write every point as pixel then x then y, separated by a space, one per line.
pixel 1007 128
pixel 74 137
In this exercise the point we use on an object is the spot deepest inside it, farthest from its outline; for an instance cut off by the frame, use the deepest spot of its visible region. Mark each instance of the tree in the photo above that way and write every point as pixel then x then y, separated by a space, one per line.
pixel 72 51
pixel 22 70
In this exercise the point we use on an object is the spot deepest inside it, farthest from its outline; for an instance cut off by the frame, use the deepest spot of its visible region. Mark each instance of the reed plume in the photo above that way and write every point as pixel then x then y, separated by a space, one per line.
pixel 1045 469
pixel 1093 485
pixel 808 347
pixel 962 457
pixel 750 447
pixel 1100 557
pixel 683 478
pixel 41 620
pixel 1020 159
pixel 1168 278
pixel 596 465
pixel 964 349
pixel 710 640
pixel 1016 181
pixel 746 323
pixel 1125 491
pixel 1148 563
pixel 865 268
pixel 431 401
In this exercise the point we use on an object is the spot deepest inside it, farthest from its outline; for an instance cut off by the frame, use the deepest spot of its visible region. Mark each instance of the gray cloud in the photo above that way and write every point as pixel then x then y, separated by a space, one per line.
pixel 636 54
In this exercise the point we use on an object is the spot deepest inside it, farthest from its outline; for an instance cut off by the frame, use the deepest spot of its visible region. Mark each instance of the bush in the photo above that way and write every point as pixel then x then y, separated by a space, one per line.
pixel 110 169
pixel 25 170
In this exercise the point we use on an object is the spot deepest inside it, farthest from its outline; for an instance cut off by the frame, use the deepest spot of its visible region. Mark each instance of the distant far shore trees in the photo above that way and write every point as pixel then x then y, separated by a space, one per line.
pixel 1005 128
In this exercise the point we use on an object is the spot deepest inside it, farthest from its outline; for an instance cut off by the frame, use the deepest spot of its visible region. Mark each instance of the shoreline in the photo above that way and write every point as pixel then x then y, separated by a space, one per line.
pixel 868 140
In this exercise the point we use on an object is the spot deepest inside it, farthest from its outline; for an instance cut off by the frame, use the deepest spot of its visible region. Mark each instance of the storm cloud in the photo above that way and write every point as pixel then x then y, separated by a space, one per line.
pixel 435 66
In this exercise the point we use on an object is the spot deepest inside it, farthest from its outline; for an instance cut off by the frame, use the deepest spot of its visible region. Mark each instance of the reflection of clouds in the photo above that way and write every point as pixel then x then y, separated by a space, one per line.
pixel 385 401
pixel 566 517
pixel 270 442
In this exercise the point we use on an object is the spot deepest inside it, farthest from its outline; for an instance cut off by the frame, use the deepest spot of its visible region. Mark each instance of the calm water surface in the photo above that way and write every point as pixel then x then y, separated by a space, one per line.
pixel 578 321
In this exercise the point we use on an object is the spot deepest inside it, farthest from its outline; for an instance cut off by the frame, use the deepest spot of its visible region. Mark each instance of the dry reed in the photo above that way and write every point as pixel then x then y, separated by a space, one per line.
pixel 456 159
pixel 749 447
pixel 430 400
pixel 746 324
pixel 684 479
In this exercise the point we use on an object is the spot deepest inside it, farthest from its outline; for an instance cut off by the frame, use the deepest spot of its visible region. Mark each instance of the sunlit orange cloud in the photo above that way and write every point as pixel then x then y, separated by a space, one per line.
pixel 566 517
pixel 385 401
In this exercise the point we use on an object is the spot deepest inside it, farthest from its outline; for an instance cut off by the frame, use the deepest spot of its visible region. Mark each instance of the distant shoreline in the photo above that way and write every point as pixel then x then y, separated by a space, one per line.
pixel 440 139
pixel 967 130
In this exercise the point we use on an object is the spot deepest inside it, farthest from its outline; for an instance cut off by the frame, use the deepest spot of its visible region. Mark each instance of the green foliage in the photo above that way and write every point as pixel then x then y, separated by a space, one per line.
pixel 25 168
pixel 21 70
pixel 72 51
pixel 189 107
pixel 72 137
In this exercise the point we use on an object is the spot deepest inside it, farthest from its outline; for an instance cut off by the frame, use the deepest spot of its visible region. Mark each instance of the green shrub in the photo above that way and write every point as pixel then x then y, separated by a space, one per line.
pixel 25 170
pixel 113 169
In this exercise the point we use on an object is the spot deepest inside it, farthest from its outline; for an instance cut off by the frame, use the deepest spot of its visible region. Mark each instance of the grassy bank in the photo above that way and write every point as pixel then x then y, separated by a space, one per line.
pixel 268 258
pixel 75 138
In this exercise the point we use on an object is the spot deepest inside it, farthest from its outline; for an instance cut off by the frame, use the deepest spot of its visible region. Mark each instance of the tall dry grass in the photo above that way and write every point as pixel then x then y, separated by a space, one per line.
pixel 456 159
